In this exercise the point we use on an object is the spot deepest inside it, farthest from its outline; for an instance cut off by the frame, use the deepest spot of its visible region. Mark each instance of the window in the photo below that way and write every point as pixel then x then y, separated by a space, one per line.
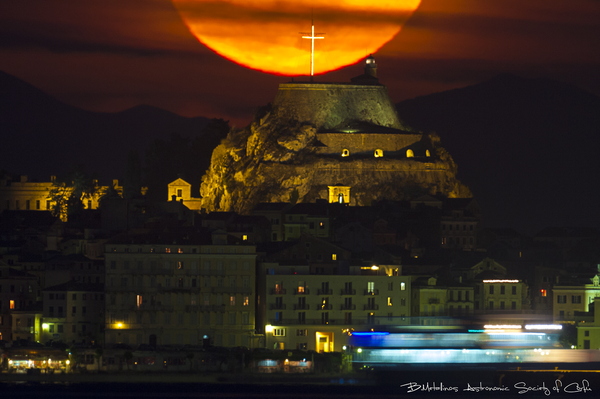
pixel 491 289
pixel 246 301
pixel 51 328
pixel 502 305
pixel 279 317
pixel 403 286
pixel 575 298
pixel 514 290
pixel 502 290
pixel 232 300
pixel 59 328
pixel 279 332
pixel 333 256
pixel 301 317
pixel 491 305
pixel 561 299
pixel 12 304
pixel 371 287
pixel 389 302
pixel 390 286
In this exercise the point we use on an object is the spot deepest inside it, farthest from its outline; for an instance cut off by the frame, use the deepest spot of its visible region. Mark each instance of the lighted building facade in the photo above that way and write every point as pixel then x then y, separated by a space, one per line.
pixel 176 289
pixel 34 196
pixel 431 298
pixel 316 312
pixel 18 291
pixel 73 313
pixel 181 191
pixel 588 334
pixel 569 299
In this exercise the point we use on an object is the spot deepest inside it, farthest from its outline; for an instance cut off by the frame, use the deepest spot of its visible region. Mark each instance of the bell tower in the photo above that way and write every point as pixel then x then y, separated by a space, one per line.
pixel 371 66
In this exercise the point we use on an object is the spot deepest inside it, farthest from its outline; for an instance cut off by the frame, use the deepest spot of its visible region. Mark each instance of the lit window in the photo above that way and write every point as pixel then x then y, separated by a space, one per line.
pixel 378 153
pixel 139 301
pixel 389 301
pixel 12 304
pixel 180 250
pixel 244 237
pixel 345 153
pixel 168 250
pixel 402 286
pixel 246 301
pixel 279 332
pixel 543 292
pixel 333 256
pixel 410 154
pixel 232 300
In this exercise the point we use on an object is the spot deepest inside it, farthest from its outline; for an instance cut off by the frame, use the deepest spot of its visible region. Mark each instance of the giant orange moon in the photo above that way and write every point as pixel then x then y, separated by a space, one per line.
pixel 266 35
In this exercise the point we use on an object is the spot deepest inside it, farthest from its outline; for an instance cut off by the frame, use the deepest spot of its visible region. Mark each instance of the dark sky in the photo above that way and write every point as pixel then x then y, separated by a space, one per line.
pixel 109 55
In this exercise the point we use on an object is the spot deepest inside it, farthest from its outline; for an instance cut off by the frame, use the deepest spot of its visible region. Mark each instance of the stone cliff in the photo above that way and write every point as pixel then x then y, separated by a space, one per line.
pixel 298 147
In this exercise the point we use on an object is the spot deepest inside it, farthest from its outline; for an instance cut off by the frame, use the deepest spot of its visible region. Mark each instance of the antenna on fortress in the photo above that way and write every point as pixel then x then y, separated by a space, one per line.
pixel 312 38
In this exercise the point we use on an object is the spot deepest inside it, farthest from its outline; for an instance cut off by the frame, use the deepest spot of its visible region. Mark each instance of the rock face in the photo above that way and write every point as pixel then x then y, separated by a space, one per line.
pixel 320 135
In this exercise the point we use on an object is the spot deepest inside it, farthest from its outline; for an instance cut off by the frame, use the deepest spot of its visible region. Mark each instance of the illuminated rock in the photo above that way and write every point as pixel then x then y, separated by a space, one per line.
pixel 316 136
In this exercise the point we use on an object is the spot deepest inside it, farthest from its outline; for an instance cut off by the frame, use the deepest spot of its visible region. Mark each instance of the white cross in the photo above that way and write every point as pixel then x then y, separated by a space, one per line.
pixel 312 38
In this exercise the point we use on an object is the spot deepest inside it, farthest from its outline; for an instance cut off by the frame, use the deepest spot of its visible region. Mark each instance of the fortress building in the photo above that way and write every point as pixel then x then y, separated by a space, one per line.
pixel 341 142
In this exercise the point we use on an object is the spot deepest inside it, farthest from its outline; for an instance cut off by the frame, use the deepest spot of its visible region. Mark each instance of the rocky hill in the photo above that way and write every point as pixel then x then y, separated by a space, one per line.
pixel 279 156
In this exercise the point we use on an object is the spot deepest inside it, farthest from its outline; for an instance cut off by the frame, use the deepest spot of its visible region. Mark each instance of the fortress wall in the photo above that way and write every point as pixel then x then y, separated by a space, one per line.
pixel 328 105
pixel 366 142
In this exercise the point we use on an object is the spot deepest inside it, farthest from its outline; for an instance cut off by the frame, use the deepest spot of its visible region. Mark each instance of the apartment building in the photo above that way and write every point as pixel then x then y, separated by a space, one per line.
pixel 317 312
pixel 73 313
pixel 176 288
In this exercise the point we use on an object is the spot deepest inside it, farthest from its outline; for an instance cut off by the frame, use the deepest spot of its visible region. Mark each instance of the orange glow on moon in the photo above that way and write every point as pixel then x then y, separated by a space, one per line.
pixel 266 34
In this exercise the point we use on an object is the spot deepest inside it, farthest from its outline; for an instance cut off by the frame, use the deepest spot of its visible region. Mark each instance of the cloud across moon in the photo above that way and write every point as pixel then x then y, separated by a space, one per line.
pixel 265 34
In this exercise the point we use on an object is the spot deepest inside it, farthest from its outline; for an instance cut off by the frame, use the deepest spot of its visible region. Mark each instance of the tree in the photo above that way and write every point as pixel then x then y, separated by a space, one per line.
pixel 69 191
pixel 184 157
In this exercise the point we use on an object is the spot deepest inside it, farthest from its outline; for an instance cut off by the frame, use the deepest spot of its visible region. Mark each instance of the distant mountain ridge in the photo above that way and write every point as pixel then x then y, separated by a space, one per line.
pixel 527 148
pixel 43 135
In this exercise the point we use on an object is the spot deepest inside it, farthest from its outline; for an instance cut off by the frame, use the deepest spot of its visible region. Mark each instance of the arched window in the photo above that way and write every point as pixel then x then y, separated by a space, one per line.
pixel 341 198
pixel 410 154
pixel 427 153
pixel 378 153
pixel 345 152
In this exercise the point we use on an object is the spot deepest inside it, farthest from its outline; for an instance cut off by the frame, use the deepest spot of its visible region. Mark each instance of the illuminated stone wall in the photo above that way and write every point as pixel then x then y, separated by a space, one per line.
pixel 328 105
pixel 367 143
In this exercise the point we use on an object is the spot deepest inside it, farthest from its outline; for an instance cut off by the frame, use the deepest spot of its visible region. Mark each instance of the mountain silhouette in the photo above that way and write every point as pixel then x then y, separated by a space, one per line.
pixel 42 136
pixel 527 148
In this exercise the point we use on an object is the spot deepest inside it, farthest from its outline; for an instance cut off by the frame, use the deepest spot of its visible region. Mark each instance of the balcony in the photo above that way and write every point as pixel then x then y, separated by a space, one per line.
pixel 348 292
pixel 324 292
pixel 371 292
pixel 371 307
pixel 277 291
pixel 301 307
pixel 305 291
pixel 231 290
pixel 153 307
pixel 280 306
pixel 348 307
pixel 326 306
